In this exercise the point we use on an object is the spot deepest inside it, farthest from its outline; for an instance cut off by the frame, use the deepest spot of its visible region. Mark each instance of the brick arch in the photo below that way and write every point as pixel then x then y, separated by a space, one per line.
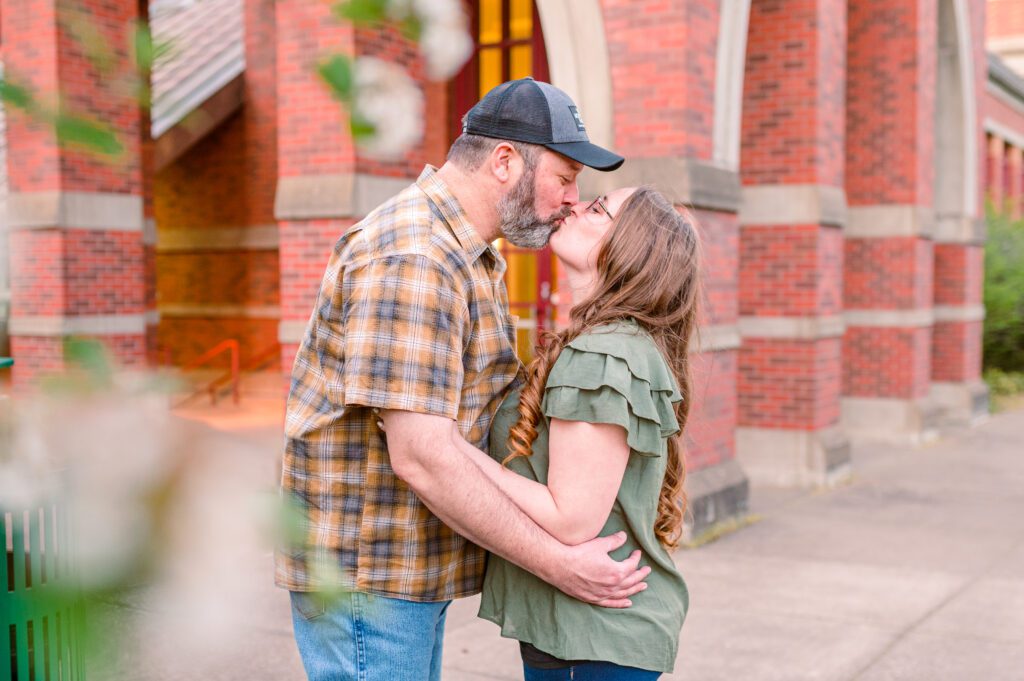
pixel 730 62
pixel 956 140
pixel 578 61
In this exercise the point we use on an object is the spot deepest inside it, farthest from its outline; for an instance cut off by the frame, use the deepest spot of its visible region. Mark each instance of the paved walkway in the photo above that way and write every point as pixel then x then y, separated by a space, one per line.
pixel 913 570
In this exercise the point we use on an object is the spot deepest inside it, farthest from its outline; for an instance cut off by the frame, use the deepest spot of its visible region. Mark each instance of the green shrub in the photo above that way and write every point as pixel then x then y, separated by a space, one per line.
pixel 1003 340
pixel 1004 383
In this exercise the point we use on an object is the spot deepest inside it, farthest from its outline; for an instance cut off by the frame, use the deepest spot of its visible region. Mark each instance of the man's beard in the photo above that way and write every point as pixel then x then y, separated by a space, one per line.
pixel 520 223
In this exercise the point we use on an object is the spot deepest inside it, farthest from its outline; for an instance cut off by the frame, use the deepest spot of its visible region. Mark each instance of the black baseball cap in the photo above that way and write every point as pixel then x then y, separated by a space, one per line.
pixel 526 110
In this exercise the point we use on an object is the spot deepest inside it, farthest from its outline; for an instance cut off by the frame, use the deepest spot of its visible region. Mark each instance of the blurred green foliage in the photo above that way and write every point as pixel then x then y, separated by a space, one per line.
pixel 1003 340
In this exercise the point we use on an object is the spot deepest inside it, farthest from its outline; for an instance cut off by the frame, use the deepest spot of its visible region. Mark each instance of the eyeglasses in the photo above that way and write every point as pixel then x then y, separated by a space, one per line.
pixel 596 207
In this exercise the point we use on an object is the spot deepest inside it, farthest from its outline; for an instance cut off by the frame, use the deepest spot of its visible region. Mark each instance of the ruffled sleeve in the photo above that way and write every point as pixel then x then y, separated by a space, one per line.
pixel 616 375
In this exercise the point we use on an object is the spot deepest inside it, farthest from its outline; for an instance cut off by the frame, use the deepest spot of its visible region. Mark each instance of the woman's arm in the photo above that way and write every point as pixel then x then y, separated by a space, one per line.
pixel 586 465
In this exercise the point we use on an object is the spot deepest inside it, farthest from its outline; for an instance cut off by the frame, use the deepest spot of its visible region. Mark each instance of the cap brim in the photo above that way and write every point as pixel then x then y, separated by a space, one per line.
pixel 588 154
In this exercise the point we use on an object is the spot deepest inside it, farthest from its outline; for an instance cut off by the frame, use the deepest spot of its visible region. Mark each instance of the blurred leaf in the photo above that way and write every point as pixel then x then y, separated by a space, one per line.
pixel 93 136
pixel 145 52
pixel 412 28
pixel 1003 336
pixel 361 129
pixel 16 95
pixel 96 46
pixel 91 356
pixel 362 11
pixel 337 73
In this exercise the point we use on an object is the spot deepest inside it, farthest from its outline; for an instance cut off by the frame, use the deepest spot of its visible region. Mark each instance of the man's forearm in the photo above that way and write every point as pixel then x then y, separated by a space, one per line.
pixel 467 500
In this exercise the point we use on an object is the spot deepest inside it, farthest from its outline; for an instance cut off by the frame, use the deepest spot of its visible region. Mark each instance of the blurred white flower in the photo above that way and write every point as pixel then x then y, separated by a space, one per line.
pixel 446 48
pixel 389 100
pixel 445 42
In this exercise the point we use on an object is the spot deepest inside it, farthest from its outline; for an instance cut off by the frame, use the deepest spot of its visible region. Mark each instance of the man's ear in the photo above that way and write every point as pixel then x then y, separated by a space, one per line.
pixel 505 162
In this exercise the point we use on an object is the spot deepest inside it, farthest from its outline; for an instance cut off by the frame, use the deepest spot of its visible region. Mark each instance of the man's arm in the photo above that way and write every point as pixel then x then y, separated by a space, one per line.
pixel 424 455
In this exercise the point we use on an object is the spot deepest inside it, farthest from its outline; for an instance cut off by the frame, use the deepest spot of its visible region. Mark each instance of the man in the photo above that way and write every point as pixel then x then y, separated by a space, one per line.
pixel 412 327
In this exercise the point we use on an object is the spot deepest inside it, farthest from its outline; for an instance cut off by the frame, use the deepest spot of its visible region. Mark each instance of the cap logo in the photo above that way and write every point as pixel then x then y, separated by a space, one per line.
pixel 576 116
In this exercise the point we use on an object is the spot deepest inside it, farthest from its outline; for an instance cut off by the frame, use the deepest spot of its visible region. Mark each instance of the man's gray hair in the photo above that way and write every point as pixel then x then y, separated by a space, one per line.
pixel 470 151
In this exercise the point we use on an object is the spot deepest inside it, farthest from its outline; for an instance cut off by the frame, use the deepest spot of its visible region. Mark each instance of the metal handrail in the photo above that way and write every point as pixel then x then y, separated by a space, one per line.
pixel 252 363
pixel 229 345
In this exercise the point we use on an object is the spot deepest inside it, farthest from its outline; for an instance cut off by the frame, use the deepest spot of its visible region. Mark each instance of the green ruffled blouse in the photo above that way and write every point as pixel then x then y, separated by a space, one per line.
pixel 614 374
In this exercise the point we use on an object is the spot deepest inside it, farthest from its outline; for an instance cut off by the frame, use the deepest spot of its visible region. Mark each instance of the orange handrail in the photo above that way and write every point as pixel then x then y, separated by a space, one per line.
pixel 230 346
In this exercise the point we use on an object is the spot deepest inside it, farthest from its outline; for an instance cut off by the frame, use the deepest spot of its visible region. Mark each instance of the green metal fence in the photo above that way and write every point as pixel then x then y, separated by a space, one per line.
pixel 41 621
pixel 41 618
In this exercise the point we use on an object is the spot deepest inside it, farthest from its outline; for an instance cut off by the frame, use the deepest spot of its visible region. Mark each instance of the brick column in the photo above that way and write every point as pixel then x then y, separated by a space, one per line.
pixel 324 185
pixel 889 253
pixel 663 128
pixel 791 244
pixel 1011 202
pixel 996 168
pixel 77 221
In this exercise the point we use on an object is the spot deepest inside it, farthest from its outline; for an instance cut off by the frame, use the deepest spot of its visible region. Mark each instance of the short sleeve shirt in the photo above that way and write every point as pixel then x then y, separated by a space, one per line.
pixel 412 315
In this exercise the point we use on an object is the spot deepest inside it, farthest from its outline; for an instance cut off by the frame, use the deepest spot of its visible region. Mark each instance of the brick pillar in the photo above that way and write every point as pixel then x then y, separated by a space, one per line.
pixel 1011 202
pixel 889 253
pixel 77 221
pixel 959 260
pixel 791 244
pixel 324 184
pixel 663 128
pixel 996 168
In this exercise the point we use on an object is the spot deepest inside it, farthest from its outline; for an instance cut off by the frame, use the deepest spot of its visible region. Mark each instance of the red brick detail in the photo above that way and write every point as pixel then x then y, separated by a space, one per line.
pixel 76 272
pixel 312 133
pixel 720 237
pixel 888 274
pixel 792 384
pixel 959 274
pixel 887 362
pixel 210 185
pixel 259 113
pixel 663 107
pixel 790 271
pixel 42 356
pixel 305 249
pixel 891 102
pixel 710 433
pixel 186 338
pixel 956 351
pixel 1005 19
pixel 794 93
pixel 219 278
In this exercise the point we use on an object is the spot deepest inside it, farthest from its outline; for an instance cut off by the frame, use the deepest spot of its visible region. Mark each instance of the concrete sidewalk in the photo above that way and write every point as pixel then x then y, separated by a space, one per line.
pixel 913 570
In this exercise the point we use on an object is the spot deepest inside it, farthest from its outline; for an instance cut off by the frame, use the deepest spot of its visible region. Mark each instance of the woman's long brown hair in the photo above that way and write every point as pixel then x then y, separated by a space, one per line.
pixel 648 269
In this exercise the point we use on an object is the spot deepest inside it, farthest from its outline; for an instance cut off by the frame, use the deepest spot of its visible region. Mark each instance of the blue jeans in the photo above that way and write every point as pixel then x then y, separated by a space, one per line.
pixel 362 637
pixel 590 671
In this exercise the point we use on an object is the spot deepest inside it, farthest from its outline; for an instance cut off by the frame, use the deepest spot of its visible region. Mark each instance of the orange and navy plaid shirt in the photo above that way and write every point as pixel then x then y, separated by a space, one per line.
pixel 412 315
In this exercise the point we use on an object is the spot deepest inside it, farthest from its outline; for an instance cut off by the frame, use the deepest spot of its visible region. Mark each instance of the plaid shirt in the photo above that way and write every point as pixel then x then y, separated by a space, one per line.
pixel 413 315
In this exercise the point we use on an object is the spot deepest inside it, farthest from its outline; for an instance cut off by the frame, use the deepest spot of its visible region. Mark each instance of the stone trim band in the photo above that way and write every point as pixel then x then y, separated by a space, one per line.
pixel 85 325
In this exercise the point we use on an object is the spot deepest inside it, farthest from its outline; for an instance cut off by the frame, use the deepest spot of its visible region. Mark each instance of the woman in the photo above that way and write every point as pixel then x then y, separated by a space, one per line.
pixel 587 446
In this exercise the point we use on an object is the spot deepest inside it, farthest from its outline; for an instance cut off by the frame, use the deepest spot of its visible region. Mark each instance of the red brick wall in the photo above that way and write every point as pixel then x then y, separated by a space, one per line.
pixel 663 107
pixel 792 384
pixel 313 134
pixel 711 431
pixel 962 274
pixel 790 270
pixel 891 102
pixel 887 362
pixel 720 238
pixel 888 274
pixel 793 95
pixel 956 351
pixel 62 272
pixel 1005 18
